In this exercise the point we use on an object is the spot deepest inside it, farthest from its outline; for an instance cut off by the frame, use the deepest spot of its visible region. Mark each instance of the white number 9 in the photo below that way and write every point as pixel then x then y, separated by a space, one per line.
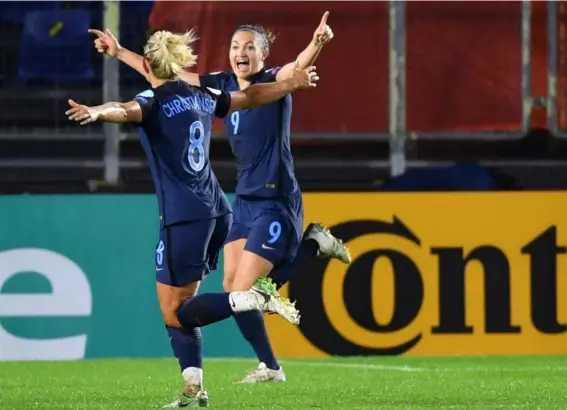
pixel 235 120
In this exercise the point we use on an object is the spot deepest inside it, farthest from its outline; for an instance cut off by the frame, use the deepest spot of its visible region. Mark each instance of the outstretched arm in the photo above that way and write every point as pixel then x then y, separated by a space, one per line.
pixel 260 94
pixel 106 43
pixel 129 112
pixel 307 57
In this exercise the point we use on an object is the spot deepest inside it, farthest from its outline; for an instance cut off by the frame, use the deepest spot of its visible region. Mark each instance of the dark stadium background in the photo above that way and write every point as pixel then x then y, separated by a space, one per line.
pixel 463 91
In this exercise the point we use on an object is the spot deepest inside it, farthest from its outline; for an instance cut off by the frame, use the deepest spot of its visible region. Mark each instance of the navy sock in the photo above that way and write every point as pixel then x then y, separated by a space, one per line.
pixel 253 329
pixel 202 310
pixel 187 346
pixel 307 250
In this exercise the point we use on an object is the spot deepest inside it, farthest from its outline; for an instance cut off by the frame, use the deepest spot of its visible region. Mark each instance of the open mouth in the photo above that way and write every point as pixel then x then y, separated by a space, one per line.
pixel 242 64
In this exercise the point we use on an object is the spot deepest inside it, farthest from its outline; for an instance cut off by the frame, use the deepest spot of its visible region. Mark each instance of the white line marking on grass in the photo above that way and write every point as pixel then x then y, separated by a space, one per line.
pixel 357 366
pixel 400 368
pixel 230 359
pixel 330 363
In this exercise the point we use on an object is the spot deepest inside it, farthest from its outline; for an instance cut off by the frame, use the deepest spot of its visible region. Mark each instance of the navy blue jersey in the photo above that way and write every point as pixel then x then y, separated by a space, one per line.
pixel 260 140
pixel 176 136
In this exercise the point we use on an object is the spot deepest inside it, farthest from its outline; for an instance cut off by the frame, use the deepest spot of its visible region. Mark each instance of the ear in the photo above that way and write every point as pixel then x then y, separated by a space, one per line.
pixel 265 55
pixel 146 66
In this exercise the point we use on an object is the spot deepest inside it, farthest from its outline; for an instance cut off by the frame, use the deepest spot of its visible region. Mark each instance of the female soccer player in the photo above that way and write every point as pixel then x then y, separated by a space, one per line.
pixel 175 121
pixel 266 237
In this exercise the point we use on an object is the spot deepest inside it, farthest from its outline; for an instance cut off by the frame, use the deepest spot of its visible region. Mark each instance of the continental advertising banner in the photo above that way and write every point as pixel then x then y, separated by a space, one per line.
pixel 434 274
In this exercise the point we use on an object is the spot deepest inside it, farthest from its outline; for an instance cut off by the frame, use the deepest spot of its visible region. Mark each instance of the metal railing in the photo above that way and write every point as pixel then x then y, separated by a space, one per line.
pixel 397 85
pixel 111 92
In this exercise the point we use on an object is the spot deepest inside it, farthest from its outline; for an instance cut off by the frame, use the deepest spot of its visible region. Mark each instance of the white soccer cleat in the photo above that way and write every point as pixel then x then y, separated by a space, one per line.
pixel 262 374
pixel 201 399
pixel 328 245
pixel 271 301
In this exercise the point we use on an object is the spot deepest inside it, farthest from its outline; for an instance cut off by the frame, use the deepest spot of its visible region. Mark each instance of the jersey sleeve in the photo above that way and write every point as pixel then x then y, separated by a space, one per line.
pixel 271 73
pixel 223 100
pixel 146 101
pixel 213 80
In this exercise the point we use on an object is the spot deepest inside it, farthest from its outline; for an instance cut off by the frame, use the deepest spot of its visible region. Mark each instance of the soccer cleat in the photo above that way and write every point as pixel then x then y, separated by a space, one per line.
pixel 201 399
pixel 328 244
pixel 262 374
pixel 272 302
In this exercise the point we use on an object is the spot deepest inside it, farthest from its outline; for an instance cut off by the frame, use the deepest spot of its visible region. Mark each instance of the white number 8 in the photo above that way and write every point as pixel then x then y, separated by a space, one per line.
pixel 196 148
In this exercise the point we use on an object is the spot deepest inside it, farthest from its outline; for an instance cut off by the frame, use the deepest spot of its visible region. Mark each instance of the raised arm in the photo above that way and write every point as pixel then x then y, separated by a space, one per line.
pixel 129 112
pixel 106 43
pixel 260 94
pixel 307 57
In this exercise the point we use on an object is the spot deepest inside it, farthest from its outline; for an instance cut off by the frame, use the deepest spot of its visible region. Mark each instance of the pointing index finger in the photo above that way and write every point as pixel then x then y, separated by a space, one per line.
pixel 96 32
pixel 324 19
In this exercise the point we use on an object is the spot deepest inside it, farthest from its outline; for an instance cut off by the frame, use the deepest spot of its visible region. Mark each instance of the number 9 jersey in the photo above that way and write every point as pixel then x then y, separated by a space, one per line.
pixel 175 134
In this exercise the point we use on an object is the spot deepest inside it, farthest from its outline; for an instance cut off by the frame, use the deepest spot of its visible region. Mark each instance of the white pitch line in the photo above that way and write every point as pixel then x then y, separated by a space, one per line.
pixel 357 366
pixel 400 368
pixel 323 364
pixel 427 369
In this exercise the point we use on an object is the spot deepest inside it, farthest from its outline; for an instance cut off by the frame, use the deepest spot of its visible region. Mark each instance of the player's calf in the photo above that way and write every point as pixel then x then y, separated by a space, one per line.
pixel 328 245
pixel 208 308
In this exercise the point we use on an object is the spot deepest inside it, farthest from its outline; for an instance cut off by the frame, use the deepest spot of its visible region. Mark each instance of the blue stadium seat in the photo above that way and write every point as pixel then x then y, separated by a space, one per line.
pixel 56 46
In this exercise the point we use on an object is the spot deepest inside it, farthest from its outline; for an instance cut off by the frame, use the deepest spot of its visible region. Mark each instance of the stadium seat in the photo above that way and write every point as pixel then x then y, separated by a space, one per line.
pixel 15 11
pixel 56 46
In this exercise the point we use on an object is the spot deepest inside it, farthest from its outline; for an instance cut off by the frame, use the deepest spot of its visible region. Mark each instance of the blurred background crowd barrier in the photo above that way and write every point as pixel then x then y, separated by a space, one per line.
pixel 403 85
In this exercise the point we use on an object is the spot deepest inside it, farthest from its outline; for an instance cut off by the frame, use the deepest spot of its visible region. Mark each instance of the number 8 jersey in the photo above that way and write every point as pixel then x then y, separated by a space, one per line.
pixel 176 136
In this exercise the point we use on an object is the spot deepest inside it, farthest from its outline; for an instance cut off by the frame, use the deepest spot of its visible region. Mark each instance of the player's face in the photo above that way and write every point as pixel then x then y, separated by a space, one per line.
pixel 246 56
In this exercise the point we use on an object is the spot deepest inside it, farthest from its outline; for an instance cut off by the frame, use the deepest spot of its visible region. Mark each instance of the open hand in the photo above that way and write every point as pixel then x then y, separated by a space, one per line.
pixel 105 42
pixel 323 34
pixel 81 113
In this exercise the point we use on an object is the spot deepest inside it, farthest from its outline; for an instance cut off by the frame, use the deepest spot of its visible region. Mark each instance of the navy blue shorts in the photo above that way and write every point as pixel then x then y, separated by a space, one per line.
pixel 273 227
pixel 187 251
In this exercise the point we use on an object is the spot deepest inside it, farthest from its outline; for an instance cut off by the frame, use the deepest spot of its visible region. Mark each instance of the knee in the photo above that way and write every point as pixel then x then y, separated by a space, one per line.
pixel 228 281
pixel 170 319
pixel 169 315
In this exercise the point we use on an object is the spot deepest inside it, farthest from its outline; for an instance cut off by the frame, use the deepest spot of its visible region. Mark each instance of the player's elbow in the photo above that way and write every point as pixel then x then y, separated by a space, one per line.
pixel 124 112
pixel 285 73
pixel 131 112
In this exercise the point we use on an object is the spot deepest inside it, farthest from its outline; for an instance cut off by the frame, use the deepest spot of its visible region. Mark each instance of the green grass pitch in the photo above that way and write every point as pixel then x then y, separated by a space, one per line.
pixel 537 382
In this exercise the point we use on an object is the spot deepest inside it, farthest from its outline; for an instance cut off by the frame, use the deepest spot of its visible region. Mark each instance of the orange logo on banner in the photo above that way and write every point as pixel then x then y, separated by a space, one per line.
pixel 434 274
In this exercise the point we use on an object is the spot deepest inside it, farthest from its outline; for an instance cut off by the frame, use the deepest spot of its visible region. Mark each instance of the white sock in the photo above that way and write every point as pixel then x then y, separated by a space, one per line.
pixel 193 375
pixel 243 301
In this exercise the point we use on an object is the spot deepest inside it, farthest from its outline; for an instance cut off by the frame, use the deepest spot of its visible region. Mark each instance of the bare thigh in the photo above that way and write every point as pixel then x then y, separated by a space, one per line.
pixel 232 255
pixel 170 299
pixel 250 268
